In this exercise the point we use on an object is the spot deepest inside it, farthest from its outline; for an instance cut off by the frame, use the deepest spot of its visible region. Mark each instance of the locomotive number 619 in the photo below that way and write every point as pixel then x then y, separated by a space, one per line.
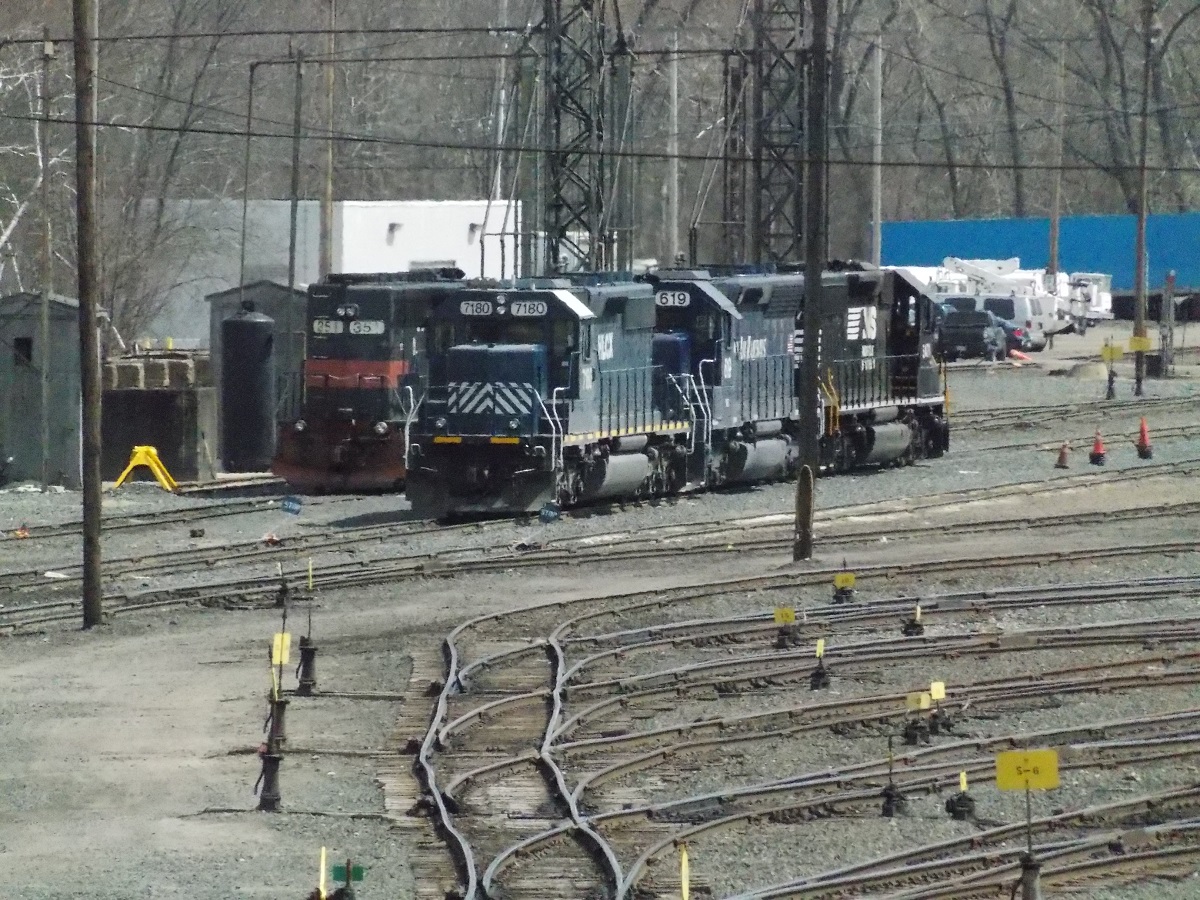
pixel 675 299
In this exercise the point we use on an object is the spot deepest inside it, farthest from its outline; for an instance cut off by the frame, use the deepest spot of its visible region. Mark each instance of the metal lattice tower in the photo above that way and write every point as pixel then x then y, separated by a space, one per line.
pixel 587 77
pixel 777 199
pixel 733 159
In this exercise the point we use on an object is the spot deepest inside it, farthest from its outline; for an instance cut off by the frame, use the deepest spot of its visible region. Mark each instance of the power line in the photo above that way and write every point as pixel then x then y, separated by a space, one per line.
pixel 626 154
pixel 1027 128
pixel 285 32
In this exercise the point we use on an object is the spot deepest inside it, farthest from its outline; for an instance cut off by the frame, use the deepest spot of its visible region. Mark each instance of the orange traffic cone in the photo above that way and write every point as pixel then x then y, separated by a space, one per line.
pixel 1018 355
pixel 1144 450
pixel 1096 457
pixel 1062 456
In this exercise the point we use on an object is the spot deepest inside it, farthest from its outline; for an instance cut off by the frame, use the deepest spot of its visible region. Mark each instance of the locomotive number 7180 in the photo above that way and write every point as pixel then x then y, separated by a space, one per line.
pixel 529 307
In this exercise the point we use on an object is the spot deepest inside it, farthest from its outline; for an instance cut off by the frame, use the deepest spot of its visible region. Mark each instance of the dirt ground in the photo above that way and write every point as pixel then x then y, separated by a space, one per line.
pixel 128 752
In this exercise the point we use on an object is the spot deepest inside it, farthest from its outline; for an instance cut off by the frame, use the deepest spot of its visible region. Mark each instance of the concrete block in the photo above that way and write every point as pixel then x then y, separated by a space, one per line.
pixel 181 374
pixel 204 371
pixel 156 374
pixel 131 374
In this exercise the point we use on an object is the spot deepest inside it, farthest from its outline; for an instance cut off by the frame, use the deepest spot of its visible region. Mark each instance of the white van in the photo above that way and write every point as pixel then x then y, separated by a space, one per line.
pixel 1037 315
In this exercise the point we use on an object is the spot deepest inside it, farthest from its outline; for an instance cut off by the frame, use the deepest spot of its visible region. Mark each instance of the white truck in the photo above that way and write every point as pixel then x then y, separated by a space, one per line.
pixel 1063 302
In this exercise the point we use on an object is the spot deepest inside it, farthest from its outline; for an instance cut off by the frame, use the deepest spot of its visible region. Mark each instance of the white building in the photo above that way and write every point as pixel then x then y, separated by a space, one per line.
pixel 476 236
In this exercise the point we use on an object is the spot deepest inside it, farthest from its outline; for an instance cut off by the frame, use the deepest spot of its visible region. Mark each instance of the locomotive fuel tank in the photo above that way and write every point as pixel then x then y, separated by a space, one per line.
pixel 885 442
pixel 618 475
pixel 764 460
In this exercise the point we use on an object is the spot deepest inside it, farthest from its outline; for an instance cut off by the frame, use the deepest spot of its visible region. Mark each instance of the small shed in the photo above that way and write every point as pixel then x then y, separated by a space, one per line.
pixel 275 300
pixel 22 359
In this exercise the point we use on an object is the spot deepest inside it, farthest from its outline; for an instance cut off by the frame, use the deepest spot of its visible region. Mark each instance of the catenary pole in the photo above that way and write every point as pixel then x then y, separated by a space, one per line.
pixel 84 15
pixel 673 248
pixel 325 266
pixel 47 249
pixel 877 152
pixel 1060 138
pixel 1139 313
pixel 288 323
pixel 814 265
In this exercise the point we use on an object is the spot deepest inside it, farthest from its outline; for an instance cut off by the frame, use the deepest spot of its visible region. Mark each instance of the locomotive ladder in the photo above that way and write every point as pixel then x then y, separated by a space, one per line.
pixel 557 434
pixel 702 400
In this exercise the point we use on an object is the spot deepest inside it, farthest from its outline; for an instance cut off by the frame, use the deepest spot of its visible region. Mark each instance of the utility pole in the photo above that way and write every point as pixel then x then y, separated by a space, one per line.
pixel 325 266
pixel 246 184
pixel 1166 325
pixel 814 265
pixel 47 249
pixel 877 153
pixel 295 211
pixel 84 15
pixel 1056 204
pixel 1139 315
pixel 673 159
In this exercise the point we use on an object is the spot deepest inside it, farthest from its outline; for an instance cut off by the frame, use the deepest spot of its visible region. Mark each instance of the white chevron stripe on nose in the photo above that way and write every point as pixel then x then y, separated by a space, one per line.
pixel 476 397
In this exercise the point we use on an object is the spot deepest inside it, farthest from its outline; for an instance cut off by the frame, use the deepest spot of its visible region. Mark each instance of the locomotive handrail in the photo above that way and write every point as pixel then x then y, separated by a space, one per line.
pixel 870 380
pixel 557 433
pixel 686 397
pixel 704 404
pixel 410 416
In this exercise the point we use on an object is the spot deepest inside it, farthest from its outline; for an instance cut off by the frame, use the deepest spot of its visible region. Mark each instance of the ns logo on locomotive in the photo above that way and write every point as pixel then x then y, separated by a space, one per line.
pixel 488 399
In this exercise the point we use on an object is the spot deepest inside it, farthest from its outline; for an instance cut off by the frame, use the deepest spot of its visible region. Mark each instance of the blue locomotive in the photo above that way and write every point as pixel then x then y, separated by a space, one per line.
pixel 564 391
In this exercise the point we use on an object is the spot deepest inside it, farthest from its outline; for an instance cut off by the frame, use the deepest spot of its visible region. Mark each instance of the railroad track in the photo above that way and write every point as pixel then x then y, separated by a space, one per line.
pixel 184 516
pixel 489 559
pixel 1005 418
pixel 502 711
pixel 1117 439
pixel 836 525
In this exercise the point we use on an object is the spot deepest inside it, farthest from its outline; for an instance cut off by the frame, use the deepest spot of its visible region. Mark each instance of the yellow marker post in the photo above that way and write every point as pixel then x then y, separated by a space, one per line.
pixel 917 613
pixel 962 782
pixel 937 690
pixel 685 875
pixel 917 700
pixel 1111 353
pixel 274 683
pixel 310 573
pixel 785 615
pixel 1028 770
pixel 281 645
pixel 820 648
pixel 321 877
pixel 1018 770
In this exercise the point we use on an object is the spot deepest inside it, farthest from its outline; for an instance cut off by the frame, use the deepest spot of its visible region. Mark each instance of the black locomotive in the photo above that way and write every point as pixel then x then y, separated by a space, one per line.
pixel 362 383
pixel 561 391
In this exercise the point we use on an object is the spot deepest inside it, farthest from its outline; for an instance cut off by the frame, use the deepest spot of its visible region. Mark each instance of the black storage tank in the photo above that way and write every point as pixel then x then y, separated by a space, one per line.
pixel 248 391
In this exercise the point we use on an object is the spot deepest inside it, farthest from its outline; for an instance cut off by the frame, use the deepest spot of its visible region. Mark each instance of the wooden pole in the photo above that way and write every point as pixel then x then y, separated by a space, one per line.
pixel 84 13
pixel 814 266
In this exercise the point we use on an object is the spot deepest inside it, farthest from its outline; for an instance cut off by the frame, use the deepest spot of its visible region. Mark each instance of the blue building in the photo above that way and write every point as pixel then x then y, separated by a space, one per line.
pixel 1086 244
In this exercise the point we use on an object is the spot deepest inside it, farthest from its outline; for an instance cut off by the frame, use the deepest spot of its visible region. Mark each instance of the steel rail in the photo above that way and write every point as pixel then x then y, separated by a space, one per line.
pixel 819 620
pixel 888 649
pixel 886 706
pixel 904 865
